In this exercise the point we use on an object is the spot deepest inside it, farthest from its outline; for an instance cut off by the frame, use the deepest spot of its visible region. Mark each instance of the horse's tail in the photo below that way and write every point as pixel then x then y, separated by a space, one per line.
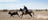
pixel 32 12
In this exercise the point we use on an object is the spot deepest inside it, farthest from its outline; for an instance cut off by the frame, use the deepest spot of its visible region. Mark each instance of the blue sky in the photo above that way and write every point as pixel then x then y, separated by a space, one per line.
pixel 30 4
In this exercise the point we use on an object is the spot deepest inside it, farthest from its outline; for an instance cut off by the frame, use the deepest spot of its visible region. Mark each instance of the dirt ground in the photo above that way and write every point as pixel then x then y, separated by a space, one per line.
pixel 38 15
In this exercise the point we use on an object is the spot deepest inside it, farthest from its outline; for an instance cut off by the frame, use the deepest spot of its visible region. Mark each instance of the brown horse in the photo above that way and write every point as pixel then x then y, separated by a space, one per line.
pixel 26 12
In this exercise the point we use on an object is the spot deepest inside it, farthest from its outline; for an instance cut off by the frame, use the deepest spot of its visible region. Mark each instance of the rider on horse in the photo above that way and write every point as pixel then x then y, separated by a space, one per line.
pixel 25 8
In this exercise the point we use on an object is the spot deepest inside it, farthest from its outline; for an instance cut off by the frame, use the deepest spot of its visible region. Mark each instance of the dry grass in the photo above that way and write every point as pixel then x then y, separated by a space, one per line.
pixel 6 16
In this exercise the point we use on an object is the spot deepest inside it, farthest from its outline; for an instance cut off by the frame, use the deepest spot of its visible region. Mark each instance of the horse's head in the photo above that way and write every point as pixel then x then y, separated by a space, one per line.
pixel 21 9
pixel 9 12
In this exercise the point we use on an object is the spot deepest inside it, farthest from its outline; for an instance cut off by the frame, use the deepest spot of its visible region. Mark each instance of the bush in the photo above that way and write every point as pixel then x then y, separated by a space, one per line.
pixel 5 10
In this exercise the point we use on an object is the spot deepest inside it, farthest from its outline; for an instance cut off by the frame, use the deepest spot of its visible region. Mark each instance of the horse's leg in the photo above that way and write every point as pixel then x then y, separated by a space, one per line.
pixel 11 15
pixel 30 14
pixel 18 15
pixel 21 15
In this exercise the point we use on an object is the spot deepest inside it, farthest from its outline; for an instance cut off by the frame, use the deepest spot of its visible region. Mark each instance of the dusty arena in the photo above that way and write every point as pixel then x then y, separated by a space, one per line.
pixel 38 15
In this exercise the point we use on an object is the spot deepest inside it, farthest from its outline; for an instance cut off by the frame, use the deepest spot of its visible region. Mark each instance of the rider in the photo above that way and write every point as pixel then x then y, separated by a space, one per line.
pixel 25 8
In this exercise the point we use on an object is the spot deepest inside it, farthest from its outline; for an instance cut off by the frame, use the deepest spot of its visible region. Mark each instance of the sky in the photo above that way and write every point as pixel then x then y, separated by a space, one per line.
pixel 17 4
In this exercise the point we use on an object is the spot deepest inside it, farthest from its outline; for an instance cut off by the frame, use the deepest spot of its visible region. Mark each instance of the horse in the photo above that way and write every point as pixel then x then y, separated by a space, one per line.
pixel 14 13
pixel 26 12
